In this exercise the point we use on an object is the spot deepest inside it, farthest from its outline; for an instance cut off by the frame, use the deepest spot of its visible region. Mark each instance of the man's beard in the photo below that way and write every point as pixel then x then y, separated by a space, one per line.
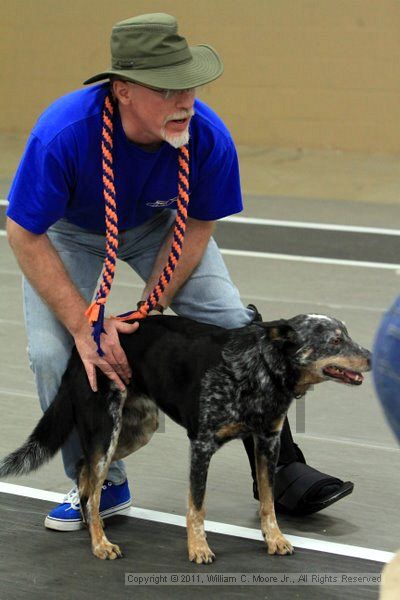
pixel 178 139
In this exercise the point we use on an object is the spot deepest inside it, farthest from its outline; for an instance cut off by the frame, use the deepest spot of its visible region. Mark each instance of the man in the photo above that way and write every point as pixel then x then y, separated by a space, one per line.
pixel 56 226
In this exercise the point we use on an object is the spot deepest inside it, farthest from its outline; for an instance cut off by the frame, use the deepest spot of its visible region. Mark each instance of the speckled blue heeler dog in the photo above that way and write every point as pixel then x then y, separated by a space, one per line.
pixel 219 384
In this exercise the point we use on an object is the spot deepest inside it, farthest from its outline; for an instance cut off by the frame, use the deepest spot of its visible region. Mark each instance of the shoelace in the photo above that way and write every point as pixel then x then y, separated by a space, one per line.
pixel 72 497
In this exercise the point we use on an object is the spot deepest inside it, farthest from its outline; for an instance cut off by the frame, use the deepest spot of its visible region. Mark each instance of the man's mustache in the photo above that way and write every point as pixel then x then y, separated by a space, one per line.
pixel 181 114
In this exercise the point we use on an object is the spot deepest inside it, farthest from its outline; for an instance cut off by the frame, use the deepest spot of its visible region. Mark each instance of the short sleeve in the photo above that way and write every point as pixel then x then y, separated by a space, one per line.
pixel 217 192
pixel 41 187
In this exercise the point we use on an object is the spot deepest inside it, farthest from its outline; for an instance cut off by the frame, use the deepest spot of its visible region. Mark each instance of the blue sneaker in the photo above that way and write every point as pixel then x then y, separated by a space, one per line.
pixel 115 500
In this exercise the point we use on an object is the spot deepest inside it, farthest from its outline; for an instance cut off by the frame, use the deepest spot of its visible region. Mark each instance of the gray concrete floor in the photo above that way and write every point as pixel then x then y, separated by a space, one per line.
pixel 345 432
pixel 159 548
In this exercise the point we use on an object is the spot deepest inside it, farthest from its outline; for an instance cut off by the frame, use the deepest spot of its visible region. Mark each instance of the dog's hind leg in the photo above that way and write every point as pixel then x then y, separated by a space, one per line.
pixel 99 453
pixel 90 485
pixel 266 452
pixel 83 488
pixel 198 549
pixel 101 546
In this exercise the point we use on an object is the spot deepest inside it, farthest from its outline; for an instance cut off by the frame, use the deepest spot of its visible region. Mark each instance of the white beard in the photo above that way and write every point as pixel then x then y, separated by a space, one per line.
pixel 176 141
pixel 179 139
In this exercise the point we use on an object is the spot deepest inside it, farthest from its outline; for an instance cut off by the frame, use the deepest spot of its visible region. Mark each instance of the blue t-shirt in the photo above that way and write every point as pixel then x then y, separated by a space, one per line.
pixel 60 174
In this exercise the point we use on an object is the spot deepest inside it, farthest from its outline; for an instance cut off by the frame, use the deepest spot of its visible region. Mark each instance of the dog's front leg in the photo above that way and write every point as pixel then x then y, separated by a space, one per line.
pixel 267 451
pixel 199 550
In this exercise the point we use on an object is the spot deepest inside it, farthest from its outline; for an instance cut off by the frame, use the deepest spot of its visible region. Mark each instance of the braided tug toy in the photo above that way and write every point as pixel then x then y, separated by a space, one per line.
pixel 95 312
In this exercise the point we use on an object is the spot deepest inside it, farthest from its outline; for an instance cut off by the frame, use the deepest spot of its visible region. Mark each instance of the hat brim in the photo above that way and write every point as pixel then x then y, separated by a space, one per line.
pixel 204 67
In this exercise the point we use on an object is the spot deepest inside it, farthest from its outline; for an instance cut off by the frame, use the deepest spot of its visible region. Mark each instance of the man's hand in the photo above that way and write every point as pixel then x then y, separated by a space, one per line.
pixel 114 363
pixel 43 267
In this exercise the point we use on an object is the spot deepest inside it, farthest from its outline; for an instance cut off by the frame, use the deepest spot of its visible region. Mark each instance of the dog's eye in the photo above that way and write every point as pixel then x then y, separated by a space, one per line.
pixel 336 341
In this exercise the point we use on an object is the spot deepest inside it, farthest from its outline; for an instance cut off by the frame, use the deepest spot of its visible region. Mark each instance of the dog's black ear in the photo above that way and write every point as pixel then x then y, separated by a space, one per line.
pixel 279 330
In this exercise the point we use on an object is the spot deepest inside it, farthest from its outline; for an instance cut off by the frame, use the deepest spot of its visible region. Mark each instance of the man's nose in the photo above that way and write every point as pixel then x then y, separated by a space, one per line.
pixel 185 99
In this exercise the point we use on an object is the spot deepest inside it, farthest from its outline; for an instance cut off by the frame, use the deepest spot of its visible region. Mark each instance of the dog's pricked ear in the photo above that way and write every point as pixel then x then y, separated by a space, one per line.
pixel 279 330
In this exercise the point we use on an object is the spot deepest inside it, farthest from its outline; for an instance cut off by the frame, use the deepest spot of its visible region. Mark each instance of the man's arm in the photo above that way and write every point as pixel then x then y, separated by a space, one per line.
pixel 197 236
pixel 44 269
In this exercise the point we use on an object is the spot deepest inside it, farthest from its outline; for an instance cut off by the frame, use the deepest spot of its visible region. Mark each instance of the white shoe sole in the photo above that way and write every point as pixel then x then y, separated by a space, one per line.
pixel 76 524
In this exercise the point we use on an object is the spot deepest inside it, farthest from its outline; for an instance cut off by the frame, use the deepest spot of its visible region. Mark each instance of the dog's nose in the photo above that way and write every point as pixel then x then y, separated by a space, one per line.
pixel 368 356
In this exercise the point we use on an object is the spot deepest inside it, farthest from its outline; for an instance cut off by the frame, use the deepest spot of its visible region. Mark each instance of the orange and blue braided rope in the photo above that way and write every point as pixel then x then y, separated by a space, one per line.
pixel 177 241
pixel 95 312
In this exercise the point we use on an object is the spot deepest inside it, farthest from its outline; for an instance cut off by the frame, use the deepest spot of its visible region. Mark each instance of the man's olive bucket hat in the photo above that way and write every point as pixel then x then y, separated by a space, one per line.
pixel 147 49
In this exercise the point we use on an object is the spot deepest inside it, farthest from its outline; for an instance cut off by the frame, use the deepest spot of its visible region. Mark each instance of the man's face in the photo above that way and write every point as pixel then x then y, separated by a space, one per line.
pixel 152 116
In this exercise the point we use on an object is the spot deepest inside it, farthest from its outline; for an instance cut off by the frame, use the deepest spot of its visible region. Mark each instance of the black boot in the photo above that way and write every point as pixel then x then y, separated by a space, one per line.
pixel 298 489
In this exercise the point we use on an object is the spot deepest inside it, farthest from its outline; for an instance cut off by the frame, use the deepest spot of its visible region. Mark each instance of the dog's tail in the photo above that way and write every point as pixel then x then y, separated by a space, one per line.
pixel 45 440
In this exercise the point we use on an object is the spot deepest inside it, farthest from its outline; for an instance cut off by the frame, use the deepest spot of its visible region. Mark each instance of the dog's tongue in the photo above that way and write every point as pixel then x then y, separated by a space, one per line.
pixel 354 377
pixel 347 376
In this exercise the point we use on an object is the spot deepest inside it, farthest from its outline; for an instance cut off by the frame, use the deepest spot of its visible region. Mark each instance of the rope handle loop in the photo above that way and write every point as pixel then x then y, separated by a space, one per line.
pixel 95 312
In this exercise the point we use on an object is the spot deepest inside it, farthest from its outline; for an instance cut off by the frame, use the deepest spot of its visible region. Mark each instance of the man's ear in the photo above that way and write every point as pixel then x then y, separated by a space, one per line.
pixel 279 330
pixel 121 91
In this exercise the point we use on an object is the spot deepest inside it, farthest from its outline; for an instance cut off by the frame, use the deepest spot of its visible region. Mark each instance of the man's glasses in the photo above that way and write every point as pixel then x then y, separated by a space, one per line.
pixel 165 93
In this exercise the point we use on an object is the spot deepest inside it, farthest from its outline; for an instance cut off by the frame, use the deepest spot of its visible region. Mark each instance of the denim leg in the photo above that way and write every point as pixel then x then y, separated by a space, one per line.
pixel 209 296
pixel 49 343
pixel 386 365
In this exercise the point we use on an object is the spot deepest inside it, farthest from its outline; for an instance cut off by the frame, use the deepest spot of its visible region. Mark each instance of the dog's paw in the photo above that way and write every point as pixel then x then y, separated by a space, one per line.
pixel 279 545
pixel 201 553
pixel 107 551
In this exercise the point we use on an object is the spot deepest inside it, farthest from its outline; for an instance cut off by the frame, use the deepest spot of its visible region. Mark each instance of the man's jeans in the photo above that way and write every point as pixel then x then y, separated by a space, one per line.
pixel 208 296
pixel 386 365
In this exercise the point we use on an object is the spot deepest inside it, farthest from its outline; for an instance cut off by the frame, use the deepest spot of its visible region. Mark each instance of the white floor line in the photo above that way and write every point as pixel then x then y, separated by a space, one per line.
pixel 255 297
pixel 310 259
pixel 245 297
pixel 298 224
pixel 215 527
pixel 127 284
pixel 347 442
pixel 18 393
pixel 301 436
pixel 10 271
pixel 13 273
pixel 28 492
pixel 297 258
pixel 311 225
pixel 11 322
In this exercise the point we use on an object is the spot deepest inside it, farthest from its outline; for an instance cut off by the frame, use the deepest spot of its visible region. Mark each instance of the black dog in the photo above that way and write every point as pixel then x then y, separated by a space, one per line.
pixel 219 384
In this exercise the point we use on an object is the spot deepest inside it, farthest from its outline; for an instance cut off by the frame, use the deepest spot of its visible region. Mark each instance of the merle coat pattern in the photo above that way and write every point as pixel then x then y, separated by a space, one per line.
pixel 218 384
